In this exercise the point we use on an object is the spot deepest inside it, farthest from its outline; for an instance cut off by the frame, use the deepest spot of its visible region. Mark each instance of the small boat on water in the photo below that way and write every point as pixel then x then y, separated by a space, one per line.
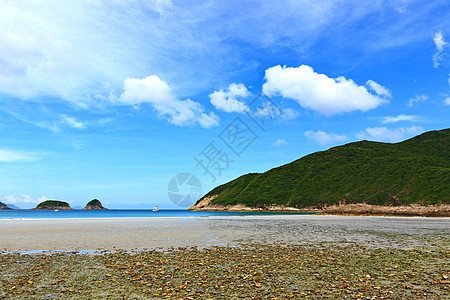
pixel 156 209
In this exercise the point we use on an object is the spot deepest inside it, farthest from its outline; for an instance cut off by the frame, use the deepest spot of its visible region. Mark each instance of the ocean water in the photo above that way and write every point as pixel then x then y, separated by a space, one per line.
pixel 119 213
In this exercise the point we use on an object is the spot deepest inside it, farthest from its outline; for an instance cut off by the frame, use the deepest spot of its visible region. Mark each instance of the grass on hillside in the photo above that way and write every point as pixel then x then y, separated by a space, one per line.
pixel 413 171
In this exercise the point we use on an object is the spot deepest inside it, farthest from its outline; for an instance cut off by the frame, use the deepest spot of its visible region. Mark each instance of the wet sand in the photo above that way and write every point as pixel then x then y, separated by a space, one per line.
pixel 151 233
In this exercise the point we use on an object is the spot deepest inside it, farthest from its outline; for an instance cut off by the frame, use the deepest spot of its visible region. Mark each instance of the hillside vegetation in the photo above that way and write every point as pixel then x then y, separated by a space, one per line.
pixel 53 204
pixel 413 171
pixel 94 204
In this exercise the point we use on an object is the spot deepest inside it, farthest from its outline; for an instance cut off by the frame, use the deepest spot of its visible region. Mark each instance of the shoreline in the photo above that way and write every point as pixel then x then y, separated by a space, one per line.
pixel 361 209
pixel 151 233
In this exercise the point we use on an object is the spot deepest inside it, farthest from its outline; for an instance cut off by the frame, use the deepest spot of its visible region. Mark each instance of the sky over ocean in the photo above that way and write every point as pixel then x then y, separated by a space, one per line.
pixel 140 103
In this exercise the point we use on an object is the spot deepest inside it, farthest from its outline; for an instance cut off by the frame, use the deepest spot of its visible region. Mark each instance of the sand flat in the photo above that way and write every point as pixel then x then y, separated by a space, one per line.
pixel 149 233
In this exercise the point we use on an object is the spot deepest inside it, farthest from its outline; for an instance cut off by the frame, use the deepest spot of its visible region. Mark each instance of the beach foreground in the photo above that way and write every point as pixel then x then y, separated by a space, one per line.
pixel 261 257
pixel 250 271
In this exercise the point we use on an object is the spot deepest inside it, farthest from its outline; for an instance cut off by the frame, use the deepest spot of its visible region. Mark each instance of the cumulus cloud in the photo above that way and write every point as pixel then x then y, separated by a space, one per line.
pixel 280 142
pixel 228 100
pixel 399 118
pixel 417 99
pixel 440 43
pixel 384 134
pixel 447 101
pixel 324 138
pixel 16 156
pixel 156 92
pixel 319 92
pixel 378 88
pixel 208 120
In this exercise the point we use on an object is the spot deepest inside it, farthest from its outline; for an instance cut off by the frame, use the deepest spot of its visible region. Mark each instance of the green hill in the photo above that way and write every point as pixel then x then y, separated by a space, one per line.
pixel 53 204
pixel 413 171
pixel 94 204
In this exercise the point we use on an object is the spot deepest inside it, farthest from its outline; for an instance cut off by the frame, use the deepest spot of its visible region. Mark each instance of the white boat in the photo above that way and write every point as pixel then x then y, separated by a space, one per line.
pixel 156 209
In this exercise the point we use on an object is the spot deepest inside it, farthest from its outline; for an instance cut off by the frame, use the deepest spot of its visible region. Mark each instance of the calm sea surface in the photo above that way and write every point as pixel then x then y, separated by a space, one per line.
pixel 117 213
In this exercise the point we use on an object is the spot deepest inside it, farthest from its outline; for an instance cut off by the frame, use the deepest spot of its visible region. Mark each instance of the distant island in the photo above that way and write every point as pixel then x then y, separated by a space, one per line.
pixel 361 176
pixel 53 204
pixel 4 206
pixel 10 205
pixel 94 204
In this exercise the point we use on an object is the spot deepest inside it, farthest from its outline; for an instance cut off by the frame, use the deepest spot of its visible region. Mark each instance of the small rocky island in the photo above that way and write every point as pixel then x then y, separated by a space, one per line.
pixel 53 205
pixel 94 204
pixel 4 206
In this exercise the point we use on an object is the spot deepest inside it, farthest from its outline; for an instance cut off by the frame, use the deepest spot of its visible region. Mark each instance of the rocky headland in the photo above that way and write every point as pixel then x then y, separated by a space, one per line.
pixel 4 206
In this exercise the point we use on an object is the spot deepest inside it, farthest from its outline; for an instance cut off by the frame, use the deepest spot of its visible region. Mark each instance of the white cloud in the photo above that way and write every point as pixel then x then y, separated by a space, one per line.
pixel 150 89
pixel 41 199
pixel 228 100
pixel 399 118
pixel 157 92
pixel 267 110
pixel 280 142
pixel 289 114
pixel 42 117
pixel 384 134
pixel 417 99
pixel 319 92
pixel 207 121
pixel 46 50
pixel 440 43
pixel 16 156
pixel 447 101
pixel 72 122
pixel 324 138
pixel 75 49
pixel 378 88
pixel 23 199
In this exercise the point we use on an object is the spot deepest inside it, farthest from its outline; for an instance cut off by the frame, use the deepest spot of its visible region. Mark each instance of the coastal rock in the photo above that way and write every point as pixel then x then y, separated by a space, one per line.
pixel 53 205
pixel 4 206
pixel 205 205
pixel 94 204
pixel 363 209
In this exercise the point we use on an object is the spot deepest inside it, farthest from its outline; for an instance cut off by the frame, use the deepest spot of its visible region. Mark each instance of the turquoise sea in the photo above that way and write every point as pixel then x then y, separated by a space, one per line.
pixel 118 213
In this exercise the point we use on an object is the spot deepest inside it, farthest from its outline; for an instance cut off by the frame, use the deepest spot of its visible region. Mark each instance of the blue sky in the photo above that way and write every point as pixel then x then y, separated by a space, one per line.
pixel 112 99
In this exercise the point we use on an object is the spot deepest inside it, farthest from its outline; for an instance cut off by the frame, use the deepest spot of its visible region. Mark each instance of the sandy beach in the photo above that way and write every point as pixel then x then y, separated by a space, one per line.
pixel 251 257
pixel 150 233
